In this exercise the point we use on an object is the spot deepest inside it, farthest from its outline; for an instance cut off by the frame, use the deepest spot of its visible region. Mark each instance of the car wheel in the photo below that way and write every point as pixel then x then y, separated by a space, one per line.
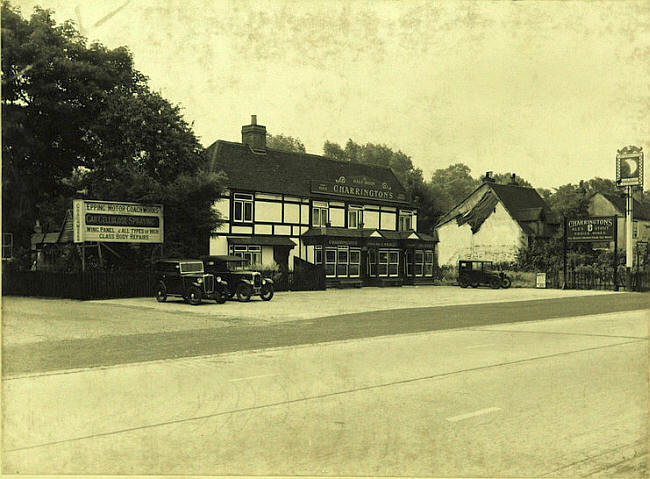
pixel 161 293
pixel 505 282
pixel 219 297
pixel 243 292
pixel 194 296
pixel 495 283
pixel 462 282
pixel 267 293
pixel 474 285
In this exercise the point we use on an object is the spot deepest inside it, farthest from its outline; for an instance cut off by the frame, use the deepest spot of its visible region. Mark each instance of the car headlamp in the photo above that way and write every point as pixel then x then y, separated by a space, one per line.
pixel 200 280
pixel 218 278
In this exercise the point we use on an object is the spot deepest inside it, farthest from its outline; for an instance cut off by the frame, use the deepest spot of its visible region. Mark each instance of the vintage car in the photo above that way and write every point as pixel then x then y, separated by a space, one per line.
pixel 187 279
pixel 239 281
pixel 474 272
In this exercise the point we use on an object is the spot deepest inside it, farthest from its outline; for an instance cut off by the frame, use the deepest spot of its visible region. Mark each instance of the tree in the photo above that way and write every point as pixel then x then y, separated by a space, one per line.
pixel 284 143
pixel 82 117
pixel 401 165
pixel 452 185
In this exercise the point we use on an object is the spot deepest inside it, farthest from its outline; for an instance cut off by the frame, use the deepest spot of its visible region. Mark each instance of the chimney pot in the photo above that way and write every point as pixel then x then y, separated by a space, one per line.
pixel 254 135
pixel 253 119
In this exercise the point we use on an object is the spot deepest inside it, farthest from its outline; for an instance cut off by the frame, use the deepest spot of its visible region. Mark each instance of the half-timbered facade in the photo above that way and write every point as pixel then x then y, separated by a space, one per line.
pixel 353 219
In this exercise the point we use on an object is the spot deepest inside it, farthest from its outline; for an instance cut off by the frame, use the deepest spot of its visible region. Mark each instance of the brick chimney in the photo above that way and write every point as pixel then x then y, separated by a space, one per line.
pixel 488 177
pixel 254 135
pixel 513 180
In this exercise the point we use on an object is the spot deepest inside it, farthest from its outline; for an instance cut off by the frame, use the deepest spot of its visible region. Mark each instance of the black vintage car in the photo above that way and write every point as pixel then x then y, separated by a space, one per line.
pixel 474 273
pixel 239 281
pixel 187 279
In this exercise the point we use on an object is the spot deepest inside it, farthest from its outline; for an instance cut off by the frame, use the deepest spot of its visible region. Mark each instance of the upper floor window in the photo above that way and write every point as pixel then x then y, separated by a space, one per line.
pixel 405 220
pixel 319 216
pixel 242 208
pixel 355 216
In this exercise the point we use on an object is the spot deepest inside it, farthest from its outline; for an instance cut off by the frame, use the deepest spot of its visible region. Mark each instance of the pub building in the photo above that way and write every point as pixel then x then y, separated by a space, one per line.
pixel 353 219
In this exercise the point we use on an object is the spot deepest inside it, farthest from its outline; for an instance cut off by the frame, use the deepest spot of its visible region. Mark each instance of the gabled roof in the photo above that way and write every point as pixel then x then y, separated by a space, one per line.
pixel 289 173
pixel 639 210
pixel 522 203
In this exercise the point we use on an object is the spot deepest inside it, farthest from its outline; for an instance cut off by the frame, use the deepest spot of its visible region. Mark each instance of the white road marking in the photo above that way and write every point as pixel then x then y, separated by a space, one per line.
pixel 479 346
pixel 251 377
pixel 480 412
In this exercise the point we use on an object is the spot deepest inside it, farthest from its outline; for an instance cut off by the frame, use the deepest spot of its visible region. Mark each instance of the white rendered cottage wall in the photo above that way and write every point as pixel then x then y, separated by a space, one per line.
pixel 498 239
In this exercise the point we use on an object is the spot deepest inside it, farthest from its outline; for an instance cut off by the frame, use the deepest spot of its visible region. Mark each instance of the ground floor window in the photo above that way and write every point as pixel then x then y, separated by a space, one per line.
pixel 419 263
pixel 341 262
pixel 252 253
pixel 383 263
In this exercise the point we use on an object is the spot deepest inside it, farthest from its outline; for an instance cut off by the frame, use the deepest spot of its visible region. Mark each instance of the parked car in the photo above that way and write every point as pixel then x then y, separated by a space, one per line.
pixel 239 281
pixel 475 272
pixel 187 279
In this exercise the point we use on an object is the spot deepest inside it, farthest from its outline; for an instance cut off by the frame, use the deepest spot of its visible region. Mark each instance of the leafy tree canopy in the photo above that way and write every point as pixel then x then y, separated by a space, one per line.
pixel 284 143
pixel 78 116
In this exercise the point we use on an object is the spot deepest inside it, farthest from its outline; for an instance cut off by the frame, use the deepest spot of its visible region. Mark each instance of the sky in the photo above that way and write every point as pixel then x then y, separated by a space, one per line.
pixel 549 90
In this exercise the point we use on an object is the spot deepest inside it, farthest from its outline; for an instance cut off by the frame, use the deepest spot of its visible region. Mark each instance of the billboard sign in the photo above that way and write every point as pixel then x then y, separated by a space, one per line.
pixel 595 228
pixel 629 166
pixel 117 222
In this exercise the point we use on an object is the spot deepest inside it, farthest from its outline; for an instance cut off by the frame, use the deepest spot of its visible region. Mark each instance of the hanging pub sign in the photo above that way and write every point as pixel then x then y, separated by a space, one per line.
pixel 629 166
pixel 117 222
pixel 595 228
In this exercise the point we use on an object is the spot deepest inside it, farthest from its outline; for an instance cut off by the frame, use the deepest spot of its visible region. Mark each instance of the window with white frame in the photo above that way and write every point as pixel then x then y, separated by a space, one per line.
pixel 330 262
pixel 318 255
pixel 428 262
pixel 355 262
pixel 355 216
pixel 319 216
pixel 405 220
pixel 252 253
pixel 342 262
pixel 242 208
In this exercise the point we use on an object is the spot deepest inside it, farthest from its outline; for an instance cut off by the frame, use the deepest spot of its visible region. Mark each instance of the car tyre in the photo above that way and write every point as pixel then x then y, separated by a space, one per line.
pixel 474 285
pixel 505 282
pixel 495 283
pixel 267 292
pixel 219 297
pixel 243 292
pixel 194 296
pixel 161 293
pixel 462 282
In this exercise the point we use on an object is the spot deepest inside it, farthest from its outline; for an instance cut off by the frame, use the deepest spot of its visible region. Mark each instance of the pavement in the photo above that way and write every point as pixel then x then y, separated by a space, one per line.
pixel 561 397
pixel 32 320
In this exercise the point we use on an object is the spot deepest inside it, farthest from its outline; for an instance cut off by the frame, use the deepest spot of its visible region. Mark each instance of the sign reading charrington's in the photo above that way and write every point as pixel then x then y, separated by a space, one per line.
pixel 113 221
pixel 595 228
pixel 357 189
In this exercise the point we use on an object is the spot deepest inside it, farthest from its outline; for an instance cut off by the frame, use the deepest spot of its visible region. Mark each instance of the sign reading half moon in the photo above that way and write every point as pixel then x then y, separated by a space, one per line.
pixel 629 167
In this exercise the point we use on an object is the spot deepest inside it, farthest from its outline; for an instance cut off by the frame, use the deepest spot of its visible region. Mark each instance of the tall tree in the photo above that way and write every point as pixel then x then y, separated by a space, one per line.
pixel 284 143
pixel 82 117
pixel 452 185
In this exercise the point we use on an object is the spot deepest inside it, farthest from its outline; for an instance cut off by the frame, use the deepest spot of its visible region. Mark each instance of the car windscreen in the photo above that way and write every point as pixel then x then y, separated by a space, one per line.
pixel 192 267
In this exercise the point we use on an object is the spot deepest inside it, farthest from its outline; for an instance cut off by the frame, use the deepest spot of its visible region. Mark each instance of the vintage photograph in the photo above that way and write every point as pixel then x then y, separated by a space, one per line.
pixel 325 238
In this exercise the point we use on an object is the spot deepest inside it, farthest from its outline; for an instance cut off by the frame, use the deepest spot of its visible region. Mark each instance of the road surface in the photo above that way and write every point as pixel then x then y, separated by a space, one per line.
pixel 558 393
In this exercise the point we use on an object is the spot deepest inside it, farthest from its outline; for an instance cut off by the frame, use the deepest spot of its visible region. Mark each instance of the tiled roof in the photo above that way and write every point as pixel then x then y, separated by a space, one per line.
pixel 639 210
pixel 288 173
pixel 339 232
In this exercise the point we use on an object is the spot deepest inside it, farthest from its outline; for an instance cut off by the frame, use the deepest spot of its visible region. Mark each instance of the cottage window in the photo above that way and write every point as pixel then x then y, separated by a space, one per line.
pixel 393 263
pixel 319 215
pixel 342 262
pixel 330 262
pixel 355 216
pixel 405 220
pixel 252 253
pixel 243 208
pixel 419 263
pixel 355 262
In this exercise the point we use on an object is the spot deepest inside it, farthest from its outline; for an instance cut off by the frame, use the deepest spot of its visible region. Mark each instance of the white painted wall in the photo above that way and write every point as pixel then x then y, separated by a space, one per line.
pixel 498 239
pixel 370 219
pixel 291 213
pixel 267 256
pixel 263 229
pixel 267 211
pixel 337 216
pixel 218 245
pixel 304 214
pixel 388 221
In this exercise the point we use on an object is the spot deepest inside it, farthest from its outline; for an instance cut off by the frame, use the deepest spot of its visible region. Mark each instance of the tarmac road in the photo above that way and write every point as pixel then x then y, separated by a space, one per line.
pixel 20 359
pixel 561 397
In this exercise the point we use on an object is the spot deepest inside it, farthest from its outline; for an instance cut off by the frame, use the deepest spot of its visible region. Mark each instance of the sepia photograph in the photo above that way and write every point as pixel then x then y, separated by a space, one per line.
pixel 325 238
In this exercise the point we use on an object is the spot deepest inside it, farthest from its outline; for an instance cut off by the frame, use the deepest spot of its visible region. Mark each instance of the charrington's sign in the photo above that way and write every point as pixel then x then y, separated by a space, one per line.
pixel 595 228
pixel 357 188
